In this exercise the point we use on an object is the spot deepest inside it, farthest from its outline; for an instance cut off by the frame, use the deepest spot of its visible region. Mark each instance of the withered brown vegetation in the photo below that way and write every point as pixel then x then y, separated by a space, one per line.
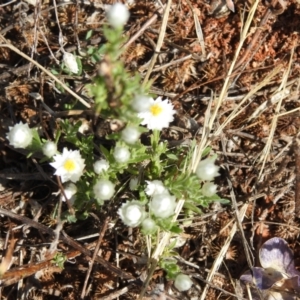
pixel 258 148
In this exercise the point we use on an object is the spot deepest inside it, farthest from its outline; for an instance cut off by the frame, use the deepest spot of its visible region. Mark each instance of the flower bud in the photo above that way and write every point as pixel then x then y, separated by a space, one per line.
pixel 149 226
pixel 163 205
pixel 133 183
pixel 49 149
pixel 132 213
pixel 207 170
pixel 121 154
pixel 104 189
pixel 20 135
pixel 155 187
pixel 117 15
pixel 183 282
pixel 100 166
pixel 209 189
pixel 141 103
pixel 130 134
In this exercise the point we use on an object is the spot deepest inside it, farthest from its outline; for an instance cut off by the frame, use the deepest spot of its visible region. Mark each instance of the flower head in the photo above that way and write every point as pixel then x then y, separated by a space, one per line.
pixel 117 15
pixel 69 165
pixel 70 190
pixel 132 213
pixel 155 187
pixel 183 282
pixel 121 154
pixel 158 115
pixel 207 170
pixel 20 135
pixel 104 189
pixel 49 149
pixel 209 189
pixel 141 103
pixel 70 62
pixel 163 205
pixel 101 165
pixel 130 134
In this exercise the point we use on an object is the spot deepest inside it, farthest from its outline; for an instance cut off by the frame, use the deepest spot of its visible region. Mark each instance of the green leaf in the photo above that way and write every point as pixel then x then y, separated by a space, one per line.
pixel 172 156
pixel 223 201
pixel 89 34
pixel 192 207
pixel 176 229
pixel 59 259
pixel 206 151
pixel 79 63
pixel 54 72
pixel 171 267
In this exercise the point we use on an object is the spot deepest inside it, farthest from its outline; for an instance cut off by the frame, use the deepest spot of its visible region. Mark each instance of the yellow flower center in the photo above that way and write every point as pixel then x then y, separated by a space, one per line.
pixel 156 109
pixel 69 165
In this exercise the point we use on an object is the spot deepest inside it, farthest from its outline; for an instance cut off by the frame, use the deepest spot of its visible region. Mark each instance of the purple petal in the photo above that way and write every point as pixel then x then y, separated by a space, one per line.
pixel 264 279
pixel 247 277
pixel 276 254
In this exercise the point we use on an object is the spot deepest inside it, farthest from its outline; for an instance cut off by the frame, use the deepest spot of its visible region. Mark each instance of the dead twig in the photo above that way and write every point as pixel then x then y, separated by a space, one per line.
pixel 296 149
pixel 101 235
pixel 66 239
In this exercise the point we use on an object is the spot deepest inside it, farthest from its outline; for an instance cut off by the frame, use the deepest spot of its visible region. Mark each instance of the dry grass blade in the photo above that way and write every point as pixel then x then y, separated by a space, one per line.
pixel 239 107
pixel 199 32
pixel 219 259
pixel 268 145
pixel 159 41
pixel 226 84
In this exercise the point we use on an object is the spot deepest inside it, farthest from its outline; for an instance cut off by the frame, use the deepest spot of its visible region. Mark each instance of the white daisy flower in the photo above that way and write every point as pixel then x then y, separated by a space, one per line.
pixel 70 190
pixel 121 154
pixel 70 62
pixel 20 135
pixel 130 134
pixel 155 187
pixel 159 115
pixel 69 165
pixel 49 149
pixel 117 15
pixel 207 170
pixel 209 189
pixel 132 213
pixel 183 282
pixel 101 165
pixel 104 189
pixel 163 205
